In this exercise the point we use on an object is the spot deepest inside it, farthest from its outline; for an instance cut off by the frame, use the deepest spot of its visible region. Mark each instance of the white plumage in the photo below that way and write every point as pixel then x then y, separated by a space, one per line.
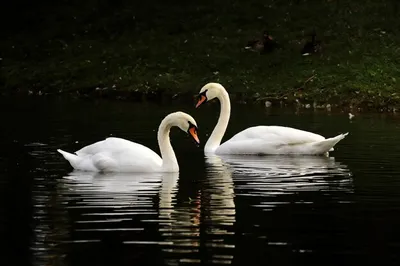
pixel 120 155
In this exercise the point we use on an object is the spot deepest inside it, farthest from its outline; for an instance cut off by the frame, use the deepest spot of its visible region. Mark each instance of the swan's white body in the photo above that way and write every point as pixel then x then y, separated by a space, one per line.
pixel 260 140
pixel 120 155
pixel 114 155
pixel 277 140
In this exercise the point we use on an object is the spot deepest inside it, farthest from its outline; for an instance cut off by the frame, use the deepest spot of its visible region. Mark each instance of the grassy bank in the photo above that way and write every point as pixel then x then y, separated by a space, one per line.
pixel 128 49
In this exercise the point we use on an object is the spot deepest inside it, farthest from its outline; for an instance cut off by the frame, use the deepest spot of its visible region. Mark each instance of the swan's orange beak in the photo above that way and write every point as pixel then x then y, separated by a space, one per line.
pixel 202 99
pixel 193 132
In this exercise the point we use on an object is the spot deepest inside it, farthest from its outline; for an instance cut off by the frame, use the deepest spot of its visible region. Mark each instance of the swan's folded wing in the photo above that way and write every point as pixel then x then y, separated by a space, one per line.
pixel 112 145
pixel 278 135
pixel 263 147
pixel 122 151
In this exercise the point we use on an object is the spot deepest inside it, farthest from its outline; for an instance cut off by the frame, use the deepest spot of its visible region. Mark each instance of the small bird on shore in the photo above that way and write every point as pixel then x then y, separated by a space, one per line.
pixel 311 47
pixel 265 45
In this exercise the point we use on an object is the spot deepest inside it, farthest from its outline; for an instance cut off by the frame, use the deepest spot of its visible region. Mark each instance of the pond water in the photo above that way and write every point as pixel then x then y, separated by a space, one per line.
pixel 275 210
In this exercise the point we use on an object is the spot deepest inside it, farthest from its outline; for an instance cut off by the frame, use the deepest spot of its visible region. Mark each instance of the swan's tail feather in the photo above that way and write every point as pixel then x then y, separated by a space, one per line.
pixel 327 144
pixel 73 159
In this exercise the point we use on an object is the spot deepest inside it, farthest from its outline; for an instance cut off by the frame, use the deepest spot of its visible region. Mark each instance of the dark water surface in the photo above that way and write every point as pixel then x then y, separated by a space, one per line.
pixel 272 210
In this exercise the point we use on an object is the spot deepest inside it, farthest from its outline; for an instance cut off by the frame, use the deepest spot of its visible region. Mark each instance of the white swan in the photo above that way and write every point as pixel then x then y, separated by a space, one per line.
pixel 120 155
pixel 260 139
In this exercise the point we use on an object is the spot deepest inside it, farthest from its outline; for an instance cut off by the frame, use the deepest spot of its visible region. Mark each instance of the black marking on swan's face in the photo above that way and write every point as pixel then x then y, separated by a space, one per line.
pixel 201 98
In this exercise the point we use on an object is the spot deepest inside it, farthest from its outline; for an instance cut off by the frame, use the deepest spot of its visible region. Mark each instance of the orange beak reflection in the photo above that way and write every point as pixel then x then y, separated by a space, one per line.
pixel 193 132
pixel 202 99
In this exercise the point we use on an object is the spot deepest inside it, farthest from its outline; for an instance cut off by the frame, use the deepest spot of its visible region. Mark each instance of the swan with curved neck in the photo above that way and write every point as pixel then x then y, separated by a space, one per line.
pixel 120 155
pixel 259 139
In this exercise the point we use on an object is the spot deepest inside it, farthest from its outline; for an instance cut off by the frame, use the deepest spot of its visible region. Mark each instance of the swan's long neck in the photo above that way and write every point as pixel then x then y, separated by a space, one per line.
pixel 218 133
pixel 169 162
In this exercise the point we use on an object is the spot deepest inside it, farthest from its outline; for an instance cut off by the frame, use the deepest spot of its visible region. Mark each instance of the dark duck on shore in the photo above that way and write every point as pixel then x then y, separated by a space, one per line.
pixel 265 45
pixel 311 47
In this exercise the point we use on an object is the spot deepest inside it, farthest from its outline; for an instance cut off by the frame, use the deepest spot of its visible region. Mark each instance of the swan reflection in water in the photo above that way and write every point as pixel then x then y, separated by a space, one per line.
pixel 121 189
pixel 219 213
pixel 270 176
